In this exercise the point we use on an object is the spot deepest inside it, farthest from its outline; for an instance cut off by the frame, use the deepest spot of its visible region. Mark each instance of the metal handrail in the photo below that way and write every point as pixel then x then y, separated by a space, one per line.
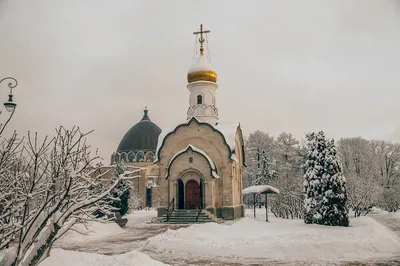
pixel 169 211
pixel 198 209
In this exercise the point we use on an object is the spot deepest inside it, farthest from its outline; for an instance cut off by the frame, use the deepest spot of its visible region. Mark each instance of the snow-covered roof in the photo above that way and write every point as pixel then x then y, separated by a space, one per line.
pixel 227 130
pixel 193 148
pixel 201 64
pixel 264 189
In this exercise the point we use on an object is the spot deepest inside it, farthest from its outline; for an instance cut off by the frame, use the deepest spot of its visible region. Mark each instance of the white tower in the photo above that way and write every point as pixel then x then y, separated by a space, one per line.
pixel 202 86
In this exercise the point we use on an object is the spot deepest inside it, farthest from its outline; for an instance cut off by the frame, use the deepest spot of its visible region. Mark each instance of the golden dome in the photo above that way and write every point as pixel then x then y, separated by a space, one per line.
pixel 201 71
pixel 205 75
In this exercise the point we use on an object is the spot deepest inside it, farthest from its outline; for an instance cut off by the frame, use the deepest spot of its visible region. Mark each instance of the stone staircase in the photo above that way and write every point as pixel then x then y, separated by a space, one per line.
pixel 187 217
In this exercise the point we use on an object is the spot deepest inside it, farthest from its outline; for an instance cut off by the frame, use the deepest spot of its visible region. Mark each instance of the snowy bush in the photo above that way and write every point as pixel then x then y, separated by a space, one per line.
pixel 324 184
pixel 46 188
pixel 134 202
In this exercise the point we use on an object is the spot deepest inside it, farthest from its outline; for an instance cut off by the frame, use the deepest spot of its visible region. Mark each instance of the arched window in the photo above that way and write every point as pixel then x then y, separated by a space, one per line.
pixel 140 157
pixel 124 157
pixel 199 99
pixel 190 159
pixel 150 157
pixel 131 156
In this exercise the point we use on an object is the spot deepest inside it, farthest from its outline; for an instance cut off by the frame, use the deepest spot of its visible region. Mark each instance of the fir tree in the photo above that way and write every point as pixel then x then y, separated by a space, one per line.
pixel 313 187
pixel 324 184
pixel 334 207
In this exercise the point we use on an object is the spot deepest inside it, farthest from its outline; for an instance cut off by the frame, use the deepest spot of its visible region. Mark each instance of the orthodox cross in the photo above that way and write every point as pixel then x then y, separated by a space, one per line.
pixel 201 40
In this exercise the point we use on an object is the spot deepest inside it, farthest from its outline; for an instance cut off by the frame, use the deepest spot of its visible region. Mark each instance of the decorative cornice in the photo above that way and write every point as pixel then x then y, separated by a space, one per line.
pixel 189 148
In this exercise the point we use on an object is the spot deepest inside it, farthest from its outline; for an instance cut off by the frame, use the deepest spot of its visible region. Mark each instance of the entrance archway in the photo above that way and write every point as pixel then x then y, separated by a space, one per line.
pixel 192 194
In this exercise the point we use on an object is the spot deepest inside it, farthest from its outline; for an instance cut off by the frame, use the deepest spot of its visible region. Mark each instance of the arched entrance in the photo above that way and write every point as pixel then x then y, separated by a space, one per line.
pixel 192 194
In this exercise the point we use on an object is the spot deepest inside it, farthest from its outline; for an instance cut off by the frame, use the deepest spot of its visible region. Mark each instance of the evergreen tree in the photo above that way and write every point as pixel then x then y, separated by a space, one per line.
pixel 324 184
pixel 313 187
pixel 334 207
pixel 122 192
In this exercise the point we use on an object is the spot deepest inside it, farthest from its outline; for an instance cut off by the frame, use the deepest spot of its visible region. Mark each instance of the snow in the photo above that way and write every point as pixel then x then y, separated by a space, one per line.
pixel 285 240
pixel 201 64
pixel 141 217
pixel 234 158
pixel 62 257
pixel 227 130
pixel 260 189
pixel 210 161
pixel 95 231
pixel 92 231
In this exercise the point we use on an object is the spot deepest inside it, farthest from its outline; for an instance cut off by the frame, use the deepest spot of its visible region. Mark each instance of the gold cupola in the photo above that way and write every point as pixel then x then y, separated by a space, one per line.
pixel 201 70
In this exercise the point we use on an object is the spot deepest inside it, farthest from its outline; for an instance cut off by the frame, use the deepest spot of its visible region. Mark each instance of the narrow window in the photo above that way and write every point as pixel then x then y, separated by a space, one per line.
pixel 190 159
pixel 199 99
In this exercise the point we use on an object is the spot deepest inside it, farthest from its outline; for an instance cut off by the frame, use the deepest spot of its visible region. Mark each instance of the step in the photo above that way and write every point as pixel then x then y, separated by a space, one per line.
pixel 187 218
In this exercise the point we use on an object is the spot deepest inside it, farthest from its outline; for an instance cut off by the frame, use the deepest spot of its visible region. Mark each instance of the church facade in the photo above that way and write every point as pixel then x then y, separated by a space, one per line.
pixel 197 164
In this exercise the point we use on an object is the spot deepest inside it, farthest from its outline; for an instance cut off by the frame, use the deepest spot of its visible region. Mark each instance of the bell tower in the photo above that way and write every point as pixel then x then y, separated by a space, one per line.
pixel 202 85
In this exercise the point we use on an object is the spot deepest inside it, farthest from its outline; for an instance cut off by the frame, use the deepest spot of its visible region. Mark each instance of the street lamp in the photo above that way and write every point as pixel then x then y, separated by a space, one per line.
pixel 12 83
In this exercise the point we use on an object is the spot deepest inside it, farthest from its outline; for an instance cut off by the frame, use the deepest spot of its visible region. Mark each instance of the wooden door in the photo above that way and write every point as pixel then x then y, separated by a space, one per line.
pixel 192 194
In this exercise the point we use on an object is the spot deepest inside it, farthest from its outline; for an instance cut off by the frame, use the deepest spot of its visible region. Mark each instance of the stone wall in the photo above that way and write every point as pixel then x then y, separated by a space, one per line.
pixel 223 195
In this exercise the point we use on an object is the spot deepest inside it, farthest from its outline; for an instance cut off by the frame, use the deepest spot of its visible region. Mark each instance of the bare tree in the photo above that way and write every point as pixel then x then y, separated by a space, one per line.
pixel 257 142
pixel 388 158
pixel 362 175
pixel 289 202
pixel 46 188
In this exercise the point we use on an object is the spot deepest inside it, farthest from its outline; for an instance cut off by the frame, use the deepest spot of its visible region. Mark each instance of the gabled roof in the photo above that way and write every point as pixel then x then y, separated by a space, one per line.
pixel 226 131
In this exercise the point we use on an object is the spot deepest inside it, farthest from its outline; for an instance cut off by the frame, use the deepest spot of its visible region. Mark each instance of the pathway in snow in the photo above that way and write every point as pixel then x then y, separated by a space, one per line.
pixel 117 240
pixel 390 220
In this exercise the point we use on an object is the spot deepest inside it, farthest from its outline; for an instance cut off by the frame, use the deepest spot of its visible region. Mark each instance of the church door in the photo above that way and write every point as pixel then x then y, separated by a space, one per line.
pixel 192 194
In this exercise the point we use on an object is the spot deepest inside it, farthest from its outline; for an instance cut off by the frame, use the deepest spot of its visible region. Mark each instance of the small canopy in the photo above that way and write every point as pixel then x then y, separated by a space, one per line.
pixel 264 189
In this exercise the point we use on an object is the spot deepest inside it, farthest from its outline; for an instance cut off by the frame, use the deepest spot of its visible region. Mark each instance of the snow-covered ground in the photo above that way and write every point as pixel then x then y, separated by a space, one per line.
pixel 280 240
pixel 109 238
pixel 92 231
pixel 62 257
pixel 244 242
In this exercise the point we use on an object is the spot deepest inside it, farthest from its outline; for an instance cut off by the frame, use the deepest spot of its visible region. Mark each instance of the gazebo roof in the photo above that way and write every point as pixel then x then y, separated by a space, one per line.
pixel 264 189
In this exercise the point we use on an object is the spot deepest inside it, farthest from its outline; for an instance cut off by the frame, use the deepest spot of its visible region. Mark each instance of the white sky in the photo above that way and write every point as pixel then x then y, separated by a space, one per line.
pixel 293 66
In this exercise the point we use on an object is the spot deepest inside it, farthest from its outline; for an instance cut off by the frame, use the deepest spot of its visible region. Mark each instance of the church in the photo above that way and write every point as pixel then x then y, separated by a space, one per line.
pixel 195 165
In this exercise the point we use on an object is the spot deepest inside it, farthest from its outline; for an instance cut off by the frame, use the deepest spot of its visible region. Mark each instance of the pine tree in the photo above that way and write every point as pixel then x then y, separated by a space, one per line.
pixel 324 184
pixel 313 187
pixel 334 207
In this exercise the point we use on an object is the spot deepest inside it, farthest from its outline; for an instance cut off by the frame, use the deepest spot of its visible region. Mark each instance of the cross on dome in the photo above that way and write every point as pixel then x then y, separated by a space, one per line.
pixel 201 69
pixel 201 40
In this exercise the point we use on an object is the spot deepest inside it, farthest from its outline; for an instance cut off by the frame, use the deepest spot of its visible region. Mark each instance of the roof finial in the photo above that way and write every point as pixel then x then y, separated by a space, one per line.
pixel 201 40
pixel 145 115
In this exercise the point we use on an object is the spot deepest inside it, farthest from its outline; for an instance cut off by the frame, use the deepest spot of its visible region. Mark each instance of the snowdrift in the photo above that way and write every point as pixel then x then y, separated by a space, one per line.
pixel 281 240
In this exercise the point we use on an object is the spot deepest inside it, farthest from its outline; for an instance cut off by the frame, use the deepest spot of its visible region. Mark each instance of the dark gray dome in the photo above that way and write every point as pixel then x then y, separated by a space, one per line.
pixel 143 136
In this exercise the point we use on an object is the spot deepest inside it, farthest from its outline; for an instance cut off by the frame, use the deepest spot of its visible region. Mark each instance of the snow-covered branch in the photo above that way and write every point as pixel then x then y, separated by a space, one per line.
pixel 48 189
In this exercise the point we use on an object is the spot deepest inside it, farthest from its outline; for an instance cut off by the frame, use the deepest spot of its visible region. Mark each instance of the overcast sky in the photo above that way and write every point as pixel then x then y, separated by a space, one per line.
pixel 294 66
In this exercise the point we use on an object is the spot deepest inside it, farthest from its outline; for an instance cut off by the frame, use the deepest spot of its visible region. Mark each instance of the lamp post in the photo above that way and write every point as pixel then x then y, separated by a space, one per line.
pixel 12 83
pixel 10 105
